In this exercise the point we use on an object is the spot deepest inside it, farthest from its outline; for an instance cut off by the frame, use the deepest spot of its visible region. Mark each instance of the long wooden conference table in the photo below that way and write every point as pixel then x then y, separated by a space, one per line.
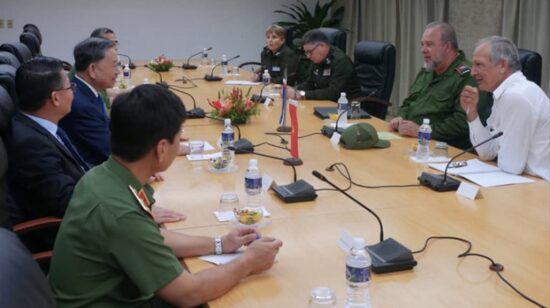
pixel 511 224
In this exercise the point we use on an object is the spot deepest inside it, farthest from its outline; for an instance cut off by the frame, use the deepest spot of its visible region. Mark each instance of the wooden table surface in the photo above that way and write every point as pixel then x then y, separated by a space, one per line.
pixel 511 224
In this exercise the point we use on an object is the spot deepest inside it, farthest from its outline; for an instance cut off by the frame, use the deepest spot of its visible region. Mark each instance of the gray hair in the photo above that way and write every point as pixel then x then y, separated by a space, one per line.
pixel 502 48
pixel 448 33
pixel 315 36
pixel 89 51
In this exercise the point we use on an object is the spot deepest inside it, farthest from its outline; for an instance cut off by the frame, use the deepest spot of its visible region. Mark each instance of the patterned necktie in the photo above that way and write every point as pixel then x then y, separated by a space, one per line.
pixel 69 146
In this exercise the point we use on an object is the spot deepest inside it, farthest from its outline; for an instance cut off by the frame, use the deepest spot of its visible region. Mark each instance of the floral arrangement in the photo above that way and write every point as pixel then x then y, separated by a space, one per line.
pixel 234 105
pixel 160 64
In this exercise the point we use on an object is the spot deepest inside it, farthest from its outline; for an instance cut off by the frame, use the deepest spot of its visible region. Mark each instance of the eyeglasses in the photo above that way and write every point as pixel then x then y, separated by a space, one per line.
pixel 71 87
pixel 309 52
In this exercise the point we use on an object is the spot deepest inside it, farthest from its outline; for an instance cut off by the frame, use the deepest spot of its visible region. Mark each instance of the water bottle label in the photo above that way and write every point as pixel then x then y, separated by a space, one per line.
pixel 424 136
pixel 267 80
pixel 227 137
pixel 357 275
pixel 253 183
pixel 126 74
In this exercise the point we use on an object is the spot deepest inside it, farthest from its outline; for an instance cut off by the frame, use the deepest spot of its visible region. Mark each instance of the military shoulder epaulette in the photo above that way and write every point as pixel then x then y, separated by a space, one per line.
pixel 463 69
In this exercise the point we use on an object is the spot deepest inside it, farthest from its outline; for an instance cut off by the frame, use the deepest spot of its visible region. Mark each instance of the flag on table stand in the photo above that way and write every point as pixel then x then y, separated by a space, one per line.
pixel 293 109
pixel 282 118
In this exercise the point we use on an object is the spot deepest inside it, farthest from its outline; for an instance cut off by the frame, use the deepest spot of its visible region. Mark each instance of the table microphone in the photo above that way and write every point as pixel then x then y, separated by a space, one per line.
pixel 195 113
pixel 388 255
pixel 328 131
pixel 242 145
pixel 298 191
pixel 160 82
pixel 211 77
pixel 259 98
pixel 187 66
pixel 443 182
pixel 131 64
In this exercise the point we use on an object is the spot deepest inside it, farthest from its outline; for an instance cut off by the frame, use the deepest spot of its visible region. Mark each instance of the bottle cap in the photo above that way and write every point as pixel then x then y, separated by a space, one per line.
pixel 266 72
pixel 343 94
pixel 227 121
pixel 358 243
pixel 426 121
pixel 253 162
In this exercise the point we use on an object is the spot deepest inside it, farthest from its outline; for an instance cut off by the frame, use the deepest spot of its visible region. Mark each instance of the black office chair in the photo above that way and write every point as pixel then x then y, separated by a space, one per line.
pixel 375 68
pixel 31 41
pixel 531 65
pixel 34 30
pixel 337 37
pixel 9 59
pixel 7 80
pixel 20 50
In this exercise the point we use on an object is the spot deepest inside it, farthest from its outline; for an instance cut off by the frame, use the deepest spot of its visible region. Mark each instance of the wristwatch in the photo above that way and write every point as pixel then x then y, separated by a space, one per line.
pixel 218 241
pixel 302 94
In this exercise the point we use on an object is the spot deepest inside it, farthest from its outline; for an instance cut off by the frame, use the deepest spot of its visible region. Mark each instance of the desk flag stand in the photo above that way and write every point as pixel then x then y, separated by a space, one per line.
pixel 295 159
pixel 282 118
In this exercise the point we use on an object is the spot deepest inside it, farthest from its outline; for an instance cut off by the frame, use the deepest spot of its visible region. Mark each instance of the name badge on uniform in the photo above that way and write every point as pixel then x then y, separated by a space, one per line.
pixel 142 199
pixel 276 69
pixel 326 72
pixel 316 72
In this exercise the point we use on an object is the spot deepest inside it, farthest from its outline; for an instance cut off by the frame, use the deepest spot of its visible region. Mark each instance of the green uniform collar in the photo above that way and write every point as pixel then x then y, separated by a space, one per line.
pixel 127 177
pixel 451 70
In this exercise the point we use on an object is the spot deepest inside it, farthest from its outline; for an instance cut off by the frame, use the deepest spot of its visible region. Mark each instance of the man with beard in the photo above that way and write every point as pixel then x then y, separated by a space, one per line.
pixel 435 92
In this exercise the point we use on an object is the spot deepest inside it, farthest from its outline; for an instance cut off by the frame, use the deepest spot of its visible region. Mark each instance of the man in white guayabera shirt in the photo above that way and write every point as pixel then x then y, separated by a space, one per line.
pixel 521 110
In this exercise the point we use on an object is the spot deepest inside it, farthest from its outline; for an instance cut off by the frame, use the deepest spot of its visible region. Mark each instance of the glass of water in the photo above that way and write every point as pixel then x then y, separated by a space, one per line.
pixel 322 297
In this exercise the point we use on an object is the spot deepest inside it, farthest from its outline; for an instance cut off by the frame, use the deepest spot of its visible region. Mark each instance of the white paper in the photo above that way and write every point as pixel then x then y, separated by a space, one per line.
pixel 499 178
pixel 267 101
pixel 223 216
pixel 203 156
pixel 241 83
pixel 207 146
pixel 335 138
pixel 473 166
pixel 223 258
pixel 267 181
pixel 432 160
pixel 345 241
pixel 467 190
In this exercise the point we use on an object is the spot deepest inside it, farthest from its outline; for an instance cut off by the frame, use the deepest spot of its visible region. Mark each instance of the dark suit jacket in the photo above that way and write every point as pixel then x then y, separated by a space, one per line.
pixel 88 126
pixel 42 173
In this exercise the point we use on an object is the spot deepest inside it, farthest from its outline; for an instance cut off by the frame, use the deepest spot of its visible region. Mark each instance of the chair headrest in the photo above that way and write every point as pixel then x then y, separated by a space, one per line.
pixel 7 79
pixel 31 41
pixel 7 109
pixel 370 51
pixel 9 58
pixel 34 30
pixel 20 50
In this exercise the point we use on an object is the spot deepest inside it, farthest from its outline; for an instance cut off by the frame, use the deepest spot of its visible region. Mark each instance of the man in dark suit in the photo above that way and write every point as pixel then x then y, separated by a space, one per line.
pixel 44 166
pixel 87 124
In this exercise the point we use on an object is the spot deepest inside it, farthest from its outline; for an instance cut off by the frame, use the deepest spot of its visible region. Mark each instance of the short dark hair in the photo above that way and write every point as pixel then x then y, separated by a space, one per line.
pixel 90 51
pixel 315 36
pixel 141 118
pixel 35 80
pixel 100 32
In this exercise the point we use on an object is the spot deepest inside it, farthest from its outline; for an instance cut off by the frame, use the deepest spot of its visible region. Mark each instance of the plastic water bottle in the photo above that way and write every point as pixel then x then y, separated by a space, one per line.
pixel 227 141
pixel 266 78
pixel 127 79
pixel 224 65
pixel 358 275
pixel 342 108
pixel 424 136
pixel 253 184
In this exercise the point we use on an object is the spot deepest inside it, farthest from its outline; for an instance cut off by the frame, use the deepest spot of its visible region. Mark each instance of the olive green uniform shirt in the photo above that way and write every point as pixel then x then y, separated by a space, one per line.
pixel 437 97
pixel 328 79
pixel 109 252
pixel 276 63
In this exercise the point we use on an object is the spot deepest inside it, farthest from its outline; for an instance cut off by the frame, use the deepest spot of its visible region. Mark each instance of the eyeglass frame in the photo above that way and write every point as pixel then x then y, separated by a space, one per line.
pixel 71 87
pixel 310 52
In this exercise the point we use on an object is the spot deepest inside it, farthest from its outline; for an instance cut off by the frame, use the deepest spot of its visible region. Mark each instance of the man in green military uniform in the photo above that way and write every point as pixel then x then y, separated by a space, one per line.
pixel 330 73
pixel 436 91
pixel 109 252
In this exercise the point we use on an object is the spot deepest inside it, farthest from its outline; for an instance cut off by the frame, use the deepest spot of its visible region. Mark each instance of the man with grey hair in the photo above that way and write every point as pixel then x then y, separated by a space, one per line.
pixel 87 124
pixel 435 92
pixel 521 110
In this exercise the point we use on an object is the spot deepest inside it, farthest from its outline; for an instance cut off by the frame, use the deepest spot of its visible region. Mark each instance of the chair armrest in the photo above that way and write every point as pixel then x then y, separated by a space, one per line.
pixel 37 224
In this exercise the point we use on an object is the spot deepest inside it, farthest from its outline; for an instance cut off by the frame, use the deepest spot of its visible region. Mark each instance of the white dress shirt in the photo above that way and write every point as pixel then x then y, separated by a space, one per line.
pixel 521 110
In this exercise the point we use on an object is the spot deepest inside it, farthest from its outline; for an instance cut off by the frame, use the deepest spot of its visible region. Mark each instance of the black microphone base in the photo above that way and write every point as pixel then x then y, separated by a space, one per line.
pixel 328 130
pixel 284 129
pixel 163 84
pixel 243 146
pixel 189 67
pixel 293 161
pixel 299 191
pixel 435 182
pixel 390 256
pixel 258 99
pixel 212 78
pixel 195 113
pixel 131 65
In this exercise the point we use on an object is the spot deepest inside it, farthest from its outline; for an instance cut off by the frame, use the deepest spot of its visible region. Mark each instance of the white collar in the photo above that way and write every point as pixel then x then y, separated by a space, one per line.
pixel 87 84
pixel 510 80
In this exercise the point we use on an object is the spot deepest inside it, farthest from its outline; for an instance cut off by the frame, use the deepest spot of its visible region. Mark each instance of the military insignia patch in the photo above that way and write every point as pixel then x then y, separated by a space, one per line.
pixel 142 199
pixel 462 70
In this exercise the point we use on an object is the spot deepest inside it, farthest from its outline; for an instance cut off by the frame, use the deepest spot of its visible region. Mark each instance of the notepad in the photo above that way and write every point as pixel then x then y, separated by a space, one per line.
pixel 483 174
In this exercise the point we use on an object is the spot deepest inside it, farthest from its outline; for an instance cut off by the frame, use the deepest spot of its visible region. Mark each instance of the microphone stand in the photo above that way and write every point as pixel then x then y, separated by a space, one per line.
pixel 388 255
pixel 195 113
pixel 160 82
pixel 443 182
pixel 259 98
pixel 328 131
pixel 242 145
pixel 187 66
pixel 131 64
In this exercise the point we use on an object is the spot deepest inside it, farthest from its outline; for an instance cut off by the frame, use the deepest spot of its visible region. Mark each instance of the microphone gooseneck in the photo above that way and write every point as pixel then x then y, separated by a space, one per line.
pixel 211 77
pixel 468 150
pixel 160 82
pixel 321 177
pixel 270 156
pixel 131 64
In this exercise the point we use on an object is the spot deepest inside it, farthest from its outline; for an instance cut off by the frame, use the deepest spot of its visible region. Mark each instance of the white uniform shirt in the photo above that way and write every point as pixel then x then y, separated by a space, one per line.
pixel 521 110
